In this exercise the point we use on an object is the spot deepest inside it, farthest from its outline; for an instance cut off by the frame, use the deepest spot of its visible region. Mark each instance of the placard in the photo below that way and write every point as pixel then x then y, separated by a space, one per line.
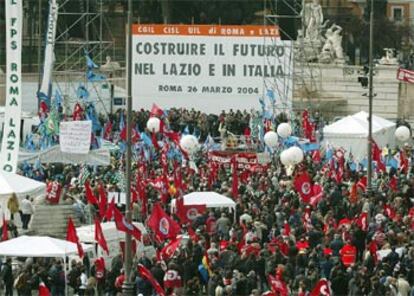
pixel 75 136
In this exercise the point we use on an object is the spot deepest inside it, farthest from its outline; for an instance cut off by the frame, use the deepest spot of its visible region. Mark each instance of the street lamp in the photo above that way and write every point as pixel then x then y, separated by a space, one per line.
pixel 128 286
pixel 370 98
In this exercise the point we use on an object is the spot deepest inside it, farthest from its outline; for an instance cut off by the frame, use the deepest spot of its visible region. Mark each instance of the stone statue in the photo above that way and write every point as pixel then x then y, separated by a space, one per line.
pixel 313 20
pixel 389 58
pixel 332 49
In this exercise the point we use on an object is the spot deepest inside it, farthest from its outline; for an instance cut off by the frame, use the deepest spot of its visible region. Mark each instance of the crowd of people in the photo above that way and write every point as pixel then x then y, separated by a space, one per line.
pixel 343 240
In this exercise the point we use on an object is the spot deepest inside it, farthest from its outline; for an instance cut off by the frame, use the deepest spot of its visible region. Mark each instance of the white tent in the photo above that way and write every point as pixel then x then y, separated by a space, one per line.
pixel 209 198
pixel 86 233
pixel 22 186
pixel 39 246
pixel 351 133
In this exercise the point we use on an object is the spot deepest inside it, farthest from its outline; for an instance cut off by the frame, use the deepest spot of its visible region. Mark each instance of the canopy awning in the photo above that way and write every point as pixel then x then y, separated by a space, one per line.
pixel 39 246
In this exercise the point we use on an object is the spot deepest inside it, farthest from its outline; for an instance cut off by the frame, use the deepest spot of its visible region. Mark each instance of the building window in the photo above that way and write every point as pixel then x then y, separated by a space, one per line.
pixel 397 14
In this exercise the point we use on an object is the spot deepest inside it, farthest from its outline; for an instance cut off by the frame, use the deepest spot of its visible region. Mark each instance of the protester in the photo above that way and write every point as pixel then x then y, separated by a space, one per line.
pixel 27 211
pixel 13 205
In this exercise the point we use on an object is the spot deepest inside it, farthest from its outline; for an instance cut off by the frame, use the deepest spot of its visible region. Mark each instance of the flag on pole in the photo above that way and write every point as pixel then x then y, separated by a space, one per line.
pixel 321 288
pixel 90 197
pixel 123 225
pixel 162 225
pixel 168 251
pixel 99 236
pixel 103 201
pixel 303 186
pixel 145 273
pixel 72 236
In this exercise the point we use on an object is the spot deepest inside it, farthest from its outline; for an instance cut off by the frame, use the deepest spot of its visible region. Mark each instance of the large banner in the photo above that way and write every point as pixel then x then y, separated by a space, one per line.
pixel 49 50
pixel 75 136
pixel 255 162
pixel 13 108
pixel 209 67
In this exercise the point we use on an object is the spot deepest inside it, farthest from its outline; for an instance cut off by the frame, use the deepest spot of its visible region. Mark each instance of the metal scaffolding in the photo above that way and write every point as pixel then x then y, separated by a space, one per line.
pixel 306 73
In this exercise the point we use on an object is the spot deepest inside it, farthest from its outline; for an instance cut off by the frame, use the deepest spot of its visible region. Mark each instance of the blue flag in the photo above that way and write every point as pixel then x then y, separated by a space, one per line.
pixel 146 139
pixel 82 93
pixel 271 95
pixel 89 62
pixel 93 77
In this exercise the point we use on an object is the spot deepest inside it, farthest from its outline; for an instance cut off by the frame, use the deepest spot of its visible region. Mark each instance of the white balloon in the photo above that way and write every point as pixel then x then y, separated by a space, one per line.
pixel 297 154
pixel 153 124
pixel 402 133
pixel 284 130
pixel 189 143
pixel 270 138
pixel 286 157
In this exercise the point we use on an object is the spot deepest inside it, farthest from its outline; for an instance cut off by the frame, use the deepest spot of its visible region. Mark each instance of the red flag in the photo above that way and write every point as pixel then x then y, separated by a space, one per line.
pixel 308 127
pixel 403 163
pixel 162 225
pixel 134 135
pixel 99 236
pixel 321 288
pixel 235 183
pixel 77 112
pixel 90 197
pixel 168 251
pixel 154 140
pixel 187 213
pixel 317 195
pixel 303 186
pixel 4 232
pixel 191 233
pixel 103 200
pixel 43 108
pixel 316 156
pixel 286 228
pixel 43 290
pixel 373 248
pixel 107 130
pixel 362 183
pixel 376 156
pixel 110 210
pixel 393 183
pixel 277 285
pixel 173 136
pixel 362 221
pixel 156 111
pixel 145 273
pixel 72 236
pixel 390 212
pixel 143 197
pixel 123 225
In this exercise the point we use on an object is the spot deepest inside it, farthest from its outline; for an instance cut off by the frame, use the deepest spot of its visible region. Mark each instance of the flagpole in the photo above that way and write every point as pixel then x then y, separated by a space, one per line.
pixel 370 99
pixel 128 287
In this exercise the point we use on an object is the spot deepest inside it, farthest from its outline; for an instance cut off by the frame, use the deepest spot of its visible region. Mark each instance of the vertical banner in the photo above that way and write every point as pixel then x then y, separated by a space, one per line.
pixel 49 52
pixel 13 108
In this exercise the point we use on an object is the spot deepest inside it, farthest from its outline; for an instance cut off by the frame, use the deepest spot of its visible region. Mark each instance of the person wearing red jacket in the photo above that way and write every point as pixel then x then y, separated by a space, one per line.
pixel 348 254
